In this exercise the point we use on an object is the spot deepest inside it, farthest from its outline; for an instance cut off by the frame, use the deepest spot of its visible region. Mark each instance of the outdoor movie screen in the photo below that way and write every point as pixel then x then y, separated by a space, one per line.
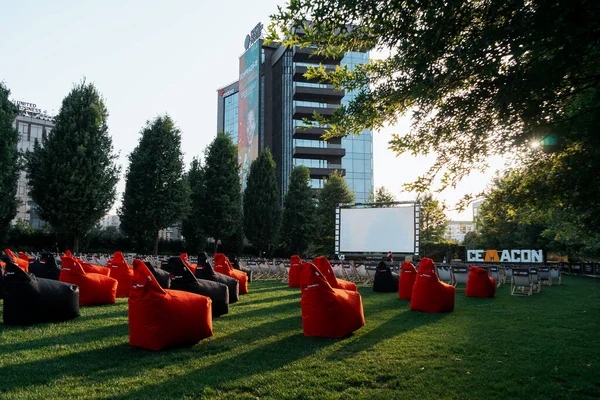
pixel 366 230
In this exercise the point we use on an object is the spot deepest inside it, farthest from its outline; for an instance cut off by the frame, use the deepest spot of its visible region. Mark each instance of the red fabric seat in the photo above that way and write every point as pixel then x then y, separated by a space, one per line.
pixel 23 264
pixel 294 272
pixel 162 318
pixel 428 293
pixel 122 272
pixel 95 269
pixel 479 284
pixel 408 275
pixel 326 311
pixel 223 266
pixel 94 289
pixel 325 267
pixel 185 259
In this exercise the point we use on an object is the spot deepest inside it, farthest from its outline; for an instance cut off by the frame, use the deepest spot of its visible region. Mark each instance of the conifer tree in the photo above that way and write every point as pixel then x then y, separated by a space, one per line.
pixel 9 167
pixel 334 192
pixel 156 195
pixel 73 176
pixel 262 212
pixel 298 216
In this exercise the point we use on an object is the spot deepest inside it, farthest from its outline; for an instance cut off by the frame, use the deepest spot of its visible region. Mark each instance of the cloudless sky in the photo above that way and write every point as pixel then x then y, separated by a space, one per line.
pixel 153 57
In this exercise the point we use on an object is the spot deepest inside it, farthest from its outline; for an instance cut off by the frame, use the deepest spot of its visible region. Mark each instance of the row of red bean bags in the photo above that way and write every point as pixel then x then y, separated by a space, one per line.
pixel 205 271
pixel 23 264
pixel 223 266
pixel 95 289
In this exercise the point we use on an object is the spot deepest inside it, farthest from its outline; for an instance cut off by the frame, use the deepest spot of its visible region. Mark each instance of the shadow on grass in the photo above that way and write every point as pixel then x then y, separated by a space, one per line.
pixel 267 312
pixel 375 333
pixel 270 299
pixel 256 362
pixel 64 339
pixel 120 361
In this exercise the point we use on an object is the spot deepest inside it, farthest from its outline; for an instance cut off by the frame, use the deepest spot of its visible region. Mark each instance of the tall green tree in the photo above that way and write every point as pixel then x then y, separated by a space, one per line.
pixel 298 216
pixel 73 176
pixel 382 195
pixel 9 160
pixel 222 210
pixel 335 191
pixel 191 229
pixel 156 195
pixel 262 213
pixel 433 220
pixel 497 77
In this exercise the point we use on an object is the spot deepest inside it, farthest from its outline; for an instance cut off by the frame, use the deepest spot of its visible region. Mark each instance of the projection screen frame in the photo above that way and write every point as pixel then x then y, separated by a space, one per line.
pixel 417 215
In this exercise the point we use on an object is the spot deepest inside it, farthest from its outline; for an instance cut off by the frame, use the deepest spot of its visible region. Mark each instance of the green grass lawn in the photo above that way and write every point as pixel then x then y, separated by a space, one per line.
pixel 545 346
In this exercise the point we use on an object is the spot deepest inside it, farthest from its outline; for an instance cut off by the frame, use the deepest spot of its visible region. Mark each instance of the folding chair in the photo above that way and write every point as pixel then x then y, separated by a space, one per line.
pixel 556 273
pixel 254 267
pixel 362 274
pixel 545 276
pixel 285 270
pixel 535 279
pixel 521 280
pixel 459 275
pixel 349 271
pixel 338 270
pixel 444 274
pixel 494 272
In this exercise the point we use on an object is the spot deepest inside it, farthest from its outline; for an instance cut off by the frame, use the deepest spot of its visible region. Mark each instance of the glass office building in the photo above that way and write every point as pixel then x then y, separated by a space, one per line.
pixel 286 100
pixel 33 125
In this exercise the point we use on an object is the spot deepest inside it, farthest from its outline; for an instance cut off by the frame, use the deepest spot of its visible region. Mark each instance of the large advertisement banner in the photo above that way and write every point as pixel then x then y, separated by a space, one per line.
pixel 248 109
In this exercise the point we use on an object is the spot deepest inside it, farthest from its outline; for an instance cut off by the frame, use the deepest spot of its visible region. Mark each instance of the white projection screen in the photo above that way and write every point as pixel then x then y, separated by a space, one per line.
pixel 370 230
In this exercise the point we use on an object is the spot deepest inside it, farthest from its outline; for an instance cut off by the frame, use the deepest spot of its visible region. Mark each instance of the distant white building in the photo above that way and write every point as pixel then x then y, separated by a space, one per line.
pixel 110 220
pixel 171 233
pixel 476 205
pixel 458 229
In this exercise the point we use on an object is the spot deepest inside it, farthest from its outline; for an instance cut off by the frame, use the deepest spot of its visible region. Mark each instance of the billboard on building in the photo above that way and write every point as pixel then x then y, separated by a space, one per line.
pixel 248 109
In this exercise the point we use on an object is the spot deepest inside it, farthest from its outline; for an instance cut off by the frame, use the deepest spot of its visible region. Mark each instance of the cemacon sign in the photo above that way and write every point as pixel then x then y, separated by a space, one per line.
pixel 509 256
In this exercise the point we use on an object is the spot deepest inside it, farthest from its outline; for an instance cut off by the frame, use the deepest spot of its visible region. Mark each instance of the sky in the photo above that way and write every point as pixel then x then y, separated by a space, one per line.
pixel 152 57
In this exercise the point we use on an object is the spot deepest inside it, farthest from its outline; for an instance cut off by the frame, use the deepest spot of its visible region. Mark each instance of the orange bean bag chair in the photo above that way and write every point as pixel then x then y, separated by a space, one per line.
pixel 326 311
pixel 479 284
pixel 185 259
pixel 95 269
pixel 223 266
pixel 428 293
pixel 122 272
pixel 325 267
pixel 294 273
pixel 408 274
pixel 94 289
pixel 161 318
pixel 25 257
pixel 23 264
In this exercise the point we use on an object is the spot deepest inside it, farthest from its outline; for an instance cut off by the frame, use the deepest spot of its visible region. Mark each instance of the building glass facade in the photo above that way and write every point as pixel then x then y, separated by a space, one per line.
pixel 358 161
pixel 230 120
pixel 30 129
pixel 288 100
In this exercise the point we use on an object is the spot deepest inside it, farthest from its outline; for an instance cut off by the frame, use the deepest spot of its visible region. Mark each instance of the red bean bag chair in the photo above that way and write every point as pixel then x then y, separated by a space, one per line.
pixel 223 266
pixel 122 272
pixel 408 274
pixel 429 294
pixel 294 273
pixel 95 269
pixel 185 259
pixel 479 284
pixel 23 264
pixel 161 318
pixel 68 253
pixel 325 267
pixel 326 311
pixel 94 289
pixel 25 257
